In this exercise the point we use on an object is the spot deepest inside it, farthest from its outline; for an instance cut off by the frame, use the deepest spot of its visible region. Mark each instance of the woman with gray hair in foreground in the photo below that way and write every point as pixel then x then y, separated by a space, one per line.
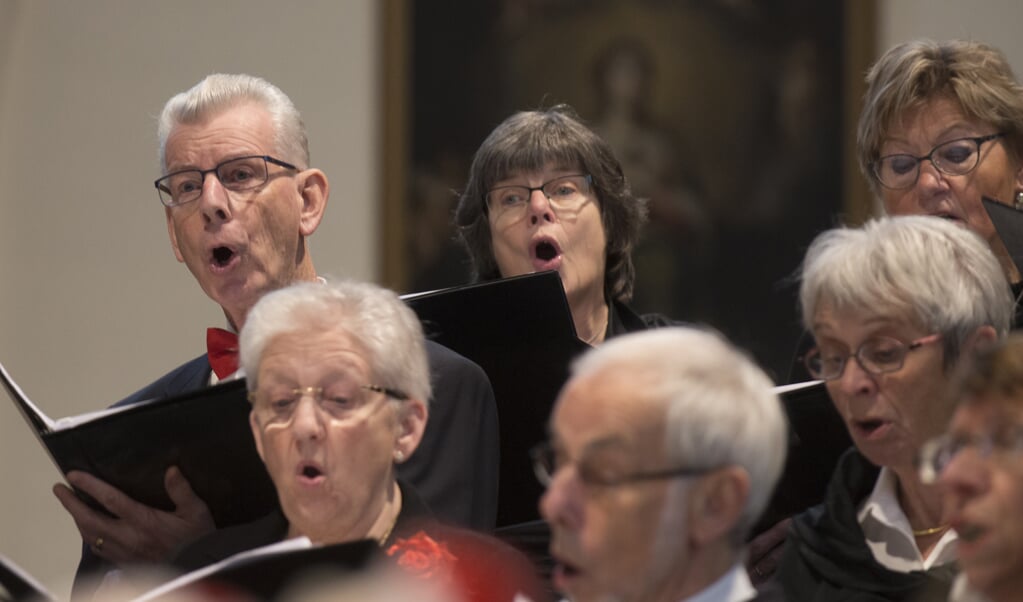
pixel 892 307
pixel 340 386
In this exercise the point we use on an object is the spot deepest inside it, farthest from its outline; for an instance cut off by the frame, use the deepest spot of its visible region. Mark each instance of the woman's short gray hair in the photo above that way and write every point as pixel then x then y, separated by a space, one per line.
pixel 940 276
pixel 720 407
pixel 373 316
pixel 219 92
pixel 975 75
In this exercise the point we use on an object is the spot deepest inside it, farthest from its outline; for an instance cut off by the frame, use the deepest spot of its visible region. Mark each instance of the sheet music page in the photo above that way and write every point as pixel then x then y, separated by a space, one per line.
pixel 780 389
pixel 287 545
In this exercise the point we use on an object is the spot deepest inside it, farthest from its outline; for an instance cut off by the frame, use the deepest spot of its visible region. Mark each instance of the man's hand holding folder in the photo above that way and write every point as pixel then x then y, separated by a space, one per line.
pixel 137 532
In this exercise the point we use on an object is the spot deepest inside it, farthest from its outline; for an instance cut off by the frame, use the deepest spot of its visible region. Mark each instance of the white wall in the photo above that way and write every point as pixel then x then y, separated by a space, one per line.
pixel 995 22
pixel 92 303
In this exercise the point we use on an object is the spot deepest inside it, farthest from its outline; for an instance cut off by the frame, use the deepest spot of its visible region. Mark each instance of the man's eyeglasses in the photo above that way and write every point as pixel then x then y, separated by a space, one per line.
pixel 936 454
pixel 954 158
pixel 277 405
pixel 236 175
pixel 593 472
pixel 508 204
pixel 877 356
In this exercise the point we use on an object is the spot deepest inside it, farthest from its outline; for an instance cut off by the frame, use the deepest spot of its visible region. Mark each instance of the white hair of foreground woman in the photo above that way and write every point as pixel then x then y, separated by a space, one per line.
pixel 374 317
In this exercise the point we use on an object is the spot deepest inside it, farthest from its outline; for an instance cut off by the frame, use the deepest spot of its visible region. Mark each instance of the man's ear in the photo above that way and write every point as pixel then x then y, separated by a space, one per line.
pixel 257 435
pixel 716 503
pixel 982 337
pixel 173 235
pixel 412 417
pixel 314 190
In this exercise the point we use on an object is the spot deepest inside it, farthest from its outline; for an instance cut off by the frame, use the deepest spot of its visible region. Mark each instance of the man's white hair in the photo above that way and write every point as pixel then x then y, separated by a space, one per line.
pixel 720 407
pixel 219 92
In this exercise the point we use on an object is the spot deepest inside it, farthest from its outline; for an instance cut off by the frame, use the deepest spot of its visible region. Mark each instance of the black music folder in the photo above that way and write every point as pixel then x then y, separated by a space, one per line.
pixel 270 573
pixel 817 437
pixel 1008 222
pixel 204 433
pixel 520 331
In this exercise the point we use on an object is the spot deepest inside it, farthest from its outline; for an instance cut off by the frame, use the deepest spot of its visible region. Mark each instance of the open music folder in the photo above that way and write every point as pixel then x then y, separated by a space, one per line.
pixel 268 573
pixel 520 331
pixel 204 433
pixel 16 585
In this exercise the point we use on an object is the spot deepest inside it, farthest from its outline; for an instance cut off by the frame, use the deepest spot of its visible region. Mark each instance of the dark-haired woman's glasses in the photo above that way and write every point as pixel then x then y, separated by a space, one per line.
pixel 508 204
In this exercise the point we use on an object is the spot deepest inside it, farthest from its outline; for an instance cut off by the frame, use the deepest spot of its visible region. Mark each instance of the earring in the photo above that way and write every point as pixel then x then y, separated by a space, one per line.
pixel 1018 201
pixel 399 456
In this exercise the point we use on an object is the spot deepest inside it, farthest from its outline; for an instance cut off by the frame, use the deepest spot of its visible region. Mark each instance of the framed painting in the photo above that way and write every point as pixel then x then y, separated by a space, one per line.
pixel 735 119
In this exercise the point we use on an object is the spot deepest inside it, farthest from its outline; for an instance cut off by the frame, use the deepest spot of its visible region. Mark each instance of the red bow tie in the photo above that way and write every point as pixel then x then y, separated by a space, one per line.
pixel 222 350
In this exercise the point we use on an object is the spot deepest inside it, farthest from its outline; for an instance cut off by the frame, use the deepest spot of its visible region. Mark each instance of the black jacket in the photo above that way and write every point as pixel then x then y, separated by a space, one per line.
pixel 827 558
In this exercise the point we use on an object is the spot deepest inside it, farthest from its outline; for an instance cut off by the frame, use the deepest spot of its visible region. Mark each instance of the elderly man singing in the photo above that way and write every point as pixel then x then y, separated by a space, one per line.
pixel 241 201
pixel 664 448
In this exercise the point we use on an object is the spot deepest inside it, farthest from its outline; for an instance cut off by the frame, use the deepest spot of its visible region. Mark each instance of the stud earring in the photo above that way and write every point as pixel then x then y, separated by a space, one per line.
pixel 399 456
pixel 1018 201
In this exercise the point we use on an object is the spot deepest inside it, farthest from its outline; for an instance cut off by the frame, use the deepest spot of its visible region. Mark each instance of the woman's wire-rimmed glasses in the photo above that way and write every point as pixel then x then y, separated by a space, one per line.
pixel 277 406
pixel 877 355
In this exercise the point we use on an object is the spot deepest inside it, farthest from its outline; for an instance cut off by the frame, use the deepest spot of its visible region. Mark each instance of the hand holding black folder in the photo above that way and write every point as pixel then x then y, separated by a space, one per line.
pixel 205 434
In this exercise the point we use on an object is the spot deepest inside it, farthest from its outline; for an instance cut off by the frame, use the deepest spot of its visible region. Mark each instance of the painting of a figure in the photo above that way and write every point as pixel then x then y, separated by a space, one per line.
pixel 725 114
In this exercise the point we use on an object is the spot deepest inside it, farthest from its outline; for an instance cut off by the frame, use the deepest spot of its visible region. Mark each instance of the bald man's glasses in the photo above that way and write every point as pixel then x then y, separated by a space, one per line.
pixel 595 472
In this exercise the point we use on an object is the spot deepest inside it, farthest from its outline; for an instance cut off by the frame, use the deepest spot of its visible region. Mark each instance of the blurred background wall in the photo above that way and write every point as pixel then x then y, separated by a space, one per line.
pixel 92 303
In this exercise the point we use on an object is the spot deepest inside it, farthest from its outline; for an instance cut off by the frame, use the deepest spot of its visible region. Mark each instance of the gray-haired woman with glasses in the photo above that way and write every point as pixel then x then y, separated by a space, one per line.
pixel 941 127
pixel 892 306
pixel 547 193
pixel 978 464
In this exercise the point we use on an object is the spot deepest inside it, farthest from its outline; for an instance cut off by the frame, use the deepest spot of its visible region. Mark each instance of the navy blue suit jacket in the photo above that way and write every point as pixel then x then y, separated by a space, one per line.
pixel 455 467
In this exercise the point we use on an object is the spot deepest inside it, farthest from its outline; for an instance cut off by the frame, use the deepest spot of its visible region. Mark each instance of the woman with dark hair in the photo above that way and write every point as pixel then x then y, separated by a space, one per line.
pixel 547 193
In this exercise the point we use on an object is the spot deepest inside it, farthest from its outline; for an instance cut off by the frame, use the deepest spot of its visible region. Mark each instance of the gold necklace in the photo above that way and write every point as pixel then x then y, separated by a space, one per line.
pixel 931 531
